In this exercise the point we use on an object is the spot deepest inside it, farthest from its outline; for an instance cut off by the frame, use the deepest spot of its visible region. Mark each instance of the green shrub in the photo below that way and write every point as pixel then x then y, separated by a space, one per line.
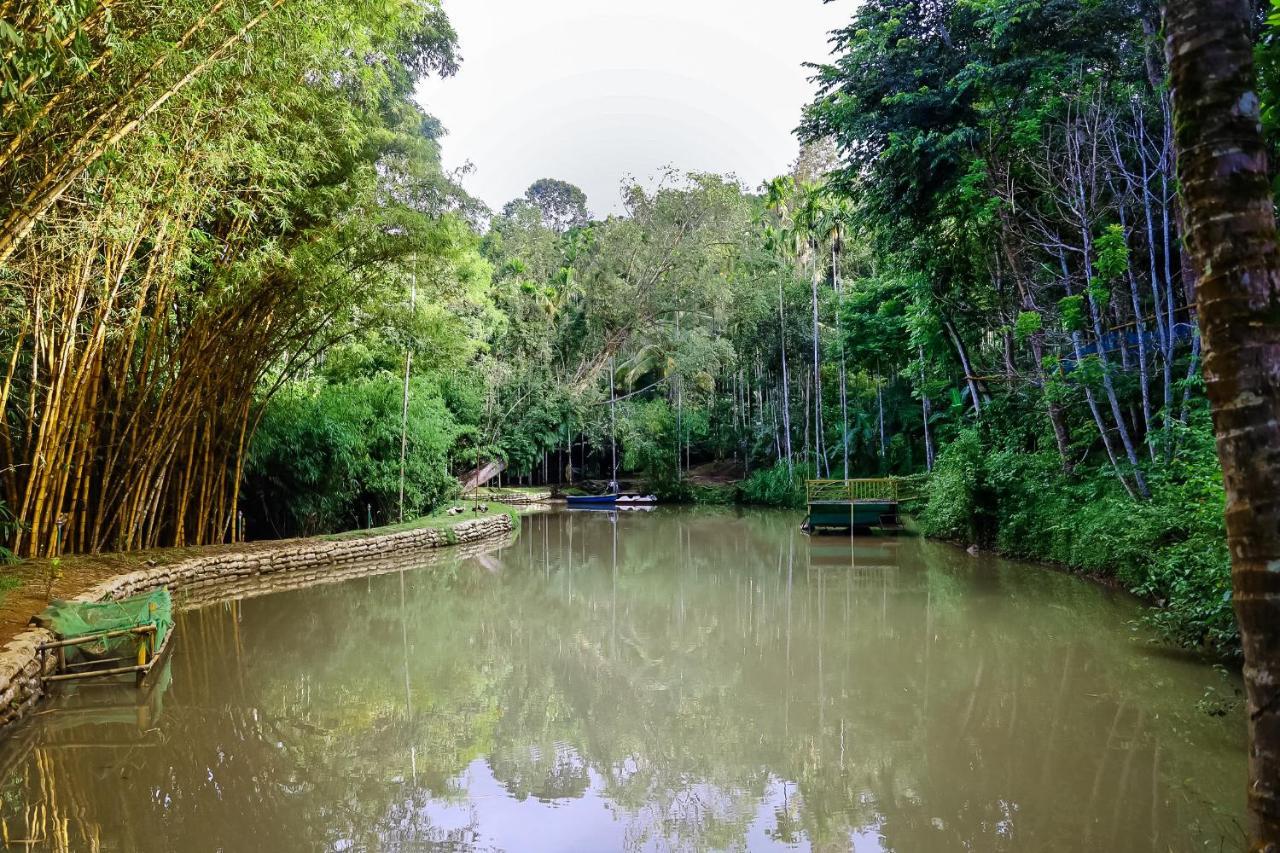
pixel 776 486
pixel 1170 549
pixel 325 452
pixel 953 490
pixel 714 495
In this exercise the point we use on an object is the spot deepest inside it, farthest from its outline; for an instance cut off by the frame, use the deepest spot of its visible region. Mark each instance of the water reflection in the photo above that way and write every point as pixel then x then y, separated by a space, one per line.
pixel 670 680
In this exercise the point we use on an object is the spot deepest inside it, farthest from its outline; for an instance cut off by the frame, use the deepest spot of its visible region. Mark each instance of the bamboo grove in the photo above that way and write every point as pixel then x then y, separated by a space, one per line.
pixel 196 198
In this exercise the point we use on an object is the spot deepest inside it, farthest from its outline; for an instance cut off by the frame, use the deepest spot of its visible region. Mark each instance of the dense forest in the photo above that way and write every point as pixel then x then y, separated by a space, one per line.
pixel 236 281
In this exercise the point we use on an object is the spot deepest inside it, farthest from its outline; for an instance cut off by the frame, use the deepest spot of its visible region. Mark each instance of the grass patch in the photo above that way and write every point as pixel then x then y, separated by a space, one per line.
pixel 725 495
pixel 486 492
pixel 8 583
pixel 438 521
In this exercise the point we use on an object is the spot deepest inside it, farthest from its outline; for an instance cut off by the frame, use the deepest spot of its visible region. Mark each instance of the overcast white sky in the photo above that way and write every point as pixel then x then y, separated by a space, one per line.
pixel 590 91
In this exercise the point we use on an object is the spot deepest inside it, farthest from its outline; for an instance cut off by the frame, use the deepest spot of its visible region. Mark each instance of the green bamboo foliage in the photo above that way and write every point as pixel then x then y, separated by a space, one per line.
pixel 178 237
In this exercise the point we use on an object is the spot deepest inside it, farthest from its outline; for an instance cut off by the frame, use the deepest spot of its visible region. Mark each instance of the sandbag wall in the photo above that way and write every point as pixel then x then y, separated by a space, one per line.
pixel 224 575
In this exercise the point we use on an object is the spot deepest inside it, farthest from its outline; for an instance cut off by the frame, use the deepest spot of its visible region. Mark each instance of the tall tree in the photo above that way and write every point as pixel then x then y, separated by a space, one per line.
pixel 561 204
pixel 1230 212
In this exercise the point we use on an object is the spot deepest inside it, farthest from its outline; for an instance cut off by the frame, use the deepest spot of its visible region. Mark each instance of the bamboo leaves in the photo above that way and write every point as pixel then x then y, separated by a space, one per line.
pixel 235 193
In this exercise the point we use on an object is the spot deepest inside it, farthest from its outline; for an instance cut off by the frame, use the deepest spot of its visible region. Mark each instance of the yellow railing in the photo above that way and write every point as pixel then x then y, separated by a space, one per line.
pixel 880 489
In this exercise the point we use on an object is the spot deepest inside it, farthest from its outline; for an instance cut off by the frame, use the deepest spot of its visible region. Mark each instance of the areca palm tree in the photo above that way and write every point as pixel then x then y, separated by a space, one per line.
pixel 836 219
pixel 809 223
pixel 776 243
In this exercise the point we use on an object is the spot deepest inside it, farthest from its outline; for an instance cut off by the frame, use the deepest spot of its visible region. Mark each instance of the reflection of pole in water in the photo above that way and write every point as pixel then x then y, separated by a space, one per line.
pixel 786 707
pixel 680 564
pixel 408 693
pixel 822 625
pixel 1155 798
pixel 1132 750
pixel 928 643
pixel 1058 705
pixel 613 637
pixel 1101 773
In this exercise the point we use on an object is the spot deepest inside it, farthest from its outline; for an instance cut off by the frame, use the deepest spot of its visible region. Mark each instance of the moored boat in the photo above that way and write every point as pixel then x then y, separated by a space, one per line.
pixel 632 499
pixel 591 500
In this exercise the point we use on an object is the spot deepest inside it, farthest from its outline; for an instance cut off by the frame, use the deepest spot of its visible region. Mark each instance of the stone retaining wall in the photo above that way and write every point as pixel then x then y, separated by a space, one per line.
pixel 201 580
pixel 219 588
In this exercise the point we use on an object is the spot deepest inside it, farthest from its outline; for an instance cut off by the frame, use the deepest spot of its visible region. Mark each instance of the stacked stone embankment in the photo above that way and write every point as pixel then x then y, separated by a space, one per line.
pixel 206 579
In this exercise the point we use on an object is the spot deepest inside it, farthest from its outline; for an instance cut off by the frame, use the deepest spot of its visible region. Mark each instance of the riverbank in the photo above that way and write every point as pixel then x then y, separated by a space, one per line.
pixel 194 572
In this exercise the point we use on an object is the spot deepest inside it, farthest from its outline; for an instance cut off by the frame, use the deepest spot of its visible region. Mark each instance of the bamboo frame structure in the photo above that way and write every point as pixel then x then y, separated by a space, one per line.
pixel 147 655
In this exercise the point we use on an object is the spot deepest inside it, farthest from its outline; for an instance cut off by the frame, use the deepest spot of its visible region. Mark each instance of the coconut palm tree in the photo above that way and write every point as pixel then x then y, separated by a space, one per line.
pixel 1231 232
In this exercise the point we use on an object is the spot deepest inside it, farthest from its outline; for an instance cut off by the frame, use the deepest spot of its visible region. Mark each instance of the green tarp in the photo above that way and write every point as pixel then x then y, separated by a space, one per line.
pixel 70 619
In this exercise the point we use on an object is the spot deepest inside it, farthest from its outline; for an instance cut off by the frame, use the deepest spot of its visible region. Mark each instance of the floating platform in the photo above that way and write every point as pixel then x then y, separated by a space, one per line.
pixel 845 506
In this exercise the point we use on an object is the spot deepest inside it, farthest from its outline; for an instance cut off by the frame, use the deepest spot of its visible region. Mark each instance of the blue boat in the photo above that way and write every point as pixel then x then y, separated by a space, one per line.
pixel 592 500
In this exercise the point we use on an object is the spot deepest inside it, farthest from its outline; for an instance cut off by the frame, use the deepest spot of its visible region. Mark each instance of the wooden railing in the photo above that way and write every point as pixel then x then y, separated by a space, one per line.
pixel 881 489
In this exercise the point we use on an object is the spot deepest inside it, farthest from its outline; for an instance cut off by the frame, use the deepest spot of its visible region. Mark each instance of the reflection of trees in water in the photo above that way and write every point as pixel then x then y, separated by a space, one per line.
pixel 953 706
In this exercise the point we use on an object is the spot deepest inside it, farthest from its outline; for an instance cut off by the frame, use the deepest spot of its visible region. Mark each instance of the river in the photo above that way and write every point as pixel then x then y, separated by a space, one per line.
pixel 683 679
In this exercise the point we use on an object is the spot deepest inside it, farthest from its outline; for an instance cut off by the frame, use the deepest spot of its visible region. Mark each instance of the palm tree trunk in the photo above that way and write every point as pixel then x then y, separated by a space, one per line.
pixel 1231 231
pixel 1140 326
pixel 844 387
pixel 880 417
pixel 786 380
pixel 818 455
pixel 969 378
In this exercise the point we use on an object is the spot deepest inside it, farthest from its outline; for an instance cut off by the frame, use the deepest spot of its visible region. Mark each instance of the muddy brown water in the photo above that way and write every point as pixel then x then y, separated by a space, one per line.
pixel 673 680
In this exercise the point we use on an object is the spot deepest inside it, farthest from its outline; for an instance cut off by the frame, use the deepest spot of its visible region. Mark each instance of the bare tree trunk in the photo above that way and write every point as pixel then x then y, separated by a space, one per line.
pixel 967 367
pixel 1094 408
pixel 1057 417
pixel 1193 366
pixel 1168 199
pixel 1140 327
pixel 1107 385
pixel 1231 230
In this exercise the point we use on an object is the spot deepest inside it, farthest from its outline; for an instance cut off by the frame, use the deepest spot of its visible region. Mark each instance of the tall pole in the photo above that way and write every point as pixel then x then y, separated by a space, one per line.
pixel 679 408
pixel 613 423
pixel 408 365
